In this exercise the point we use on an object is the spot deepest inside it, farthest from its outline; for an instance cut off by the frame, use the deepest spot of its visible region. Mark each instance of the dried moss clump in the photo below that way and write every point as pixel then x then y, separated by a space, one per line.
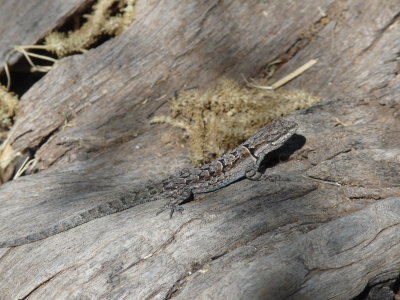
pixel 219 119
pixel 8 106
pixel 100 22
pixel 109 17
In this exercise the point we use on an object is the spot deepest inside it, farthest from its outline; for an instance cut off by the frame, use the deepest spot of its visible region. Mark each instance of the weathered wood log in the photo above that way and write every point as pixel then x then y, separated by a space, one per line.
pixel 27 22
pixel 326 230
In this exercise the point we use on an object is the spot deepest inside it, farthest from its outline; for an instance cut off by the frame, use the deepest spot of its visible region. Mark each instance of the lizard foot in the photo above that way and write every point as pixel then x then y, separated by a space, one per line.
pixel 253 174
pixel 172 207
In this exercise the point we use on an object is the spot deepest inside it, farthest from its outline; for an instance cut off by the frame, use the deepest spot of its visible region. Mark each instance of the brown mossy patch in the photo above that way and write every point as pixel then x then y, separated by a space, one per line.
pixel 102 21
pixel 8 105
pixel 218 119
pixel 108 18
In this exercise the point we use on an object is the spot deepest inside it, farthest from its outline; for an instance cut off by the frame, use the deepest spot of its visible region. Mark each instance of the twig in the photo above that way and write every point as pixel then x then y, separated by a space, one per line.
pixel 25 165
pixel 322 181
pixel 287 78
pixel 7 70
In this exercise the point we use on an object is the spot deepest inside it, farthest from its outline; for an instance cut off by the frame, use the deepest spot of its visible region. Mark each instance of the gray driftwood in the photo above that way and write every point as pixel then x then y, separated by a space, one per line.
pixel 328 231
pixel 27 22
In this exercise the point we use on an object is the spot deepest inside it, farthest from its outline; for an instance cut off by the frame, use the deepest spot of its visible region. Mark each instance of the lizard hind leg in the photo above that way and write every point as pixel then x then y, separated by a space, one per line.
pixel 176 198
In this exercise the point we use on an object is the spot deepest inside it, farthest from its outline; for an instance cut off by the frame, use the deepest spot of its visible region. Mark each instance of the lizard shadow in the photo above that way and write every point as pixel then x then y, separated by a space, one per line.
pixel 270 160
pixel 283 153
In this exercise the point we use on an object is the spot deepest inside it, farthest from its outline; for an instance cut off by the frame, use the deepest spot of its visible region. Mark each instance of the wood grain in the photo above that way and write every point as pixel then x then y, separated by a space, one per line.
pixel 27 22
pixel 327 230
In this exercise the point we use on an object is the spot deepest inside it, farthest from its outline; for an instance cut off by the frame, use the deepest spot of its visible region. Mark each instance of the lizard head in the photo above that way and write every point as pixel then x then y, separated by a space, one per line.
pixel 270 137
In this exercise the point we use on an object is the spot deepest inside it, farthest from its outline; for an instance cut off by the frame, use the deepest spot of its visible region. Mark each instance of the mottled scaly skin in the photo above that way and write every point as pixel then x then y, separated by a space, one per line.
pixel 242 162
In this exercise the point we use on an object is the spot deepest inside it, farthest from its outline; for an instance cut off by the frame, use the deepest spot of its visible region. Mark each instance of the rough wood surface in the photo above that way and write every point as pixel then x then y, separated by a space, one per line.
pixel 26 22
pixel 322 238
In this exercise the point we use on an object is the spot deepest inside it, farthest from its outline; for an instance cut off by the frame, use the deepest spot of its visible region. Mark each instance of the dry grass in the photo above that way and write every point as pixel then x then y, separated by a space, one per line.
pixel 8 105
pixel 103 21
pixel 99 23
pixel 219 119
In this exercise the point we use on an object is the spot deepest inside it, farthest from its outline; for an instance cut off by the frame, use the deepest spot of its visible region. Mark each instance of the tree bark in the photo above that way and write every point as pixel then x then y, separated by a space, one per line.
pixel 327 231
pixel 27 22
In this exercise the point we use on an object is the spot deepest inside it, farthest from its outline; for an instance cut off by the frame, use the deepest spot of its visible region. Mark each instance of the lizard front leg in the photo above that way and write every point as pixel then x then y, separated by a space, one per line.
pixel 253 174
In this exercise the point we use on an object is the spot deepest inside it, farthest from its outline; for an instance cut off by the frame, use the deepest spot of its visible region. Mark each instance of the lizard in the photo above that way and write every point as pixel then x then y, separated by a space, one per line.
pixel 242 162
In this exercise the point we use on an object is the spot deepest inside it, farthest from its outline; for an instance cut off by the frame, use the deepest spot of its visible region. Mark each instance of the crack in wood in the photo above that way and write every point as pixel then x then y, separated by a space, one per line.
pixel 42 284
pixel 379 233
